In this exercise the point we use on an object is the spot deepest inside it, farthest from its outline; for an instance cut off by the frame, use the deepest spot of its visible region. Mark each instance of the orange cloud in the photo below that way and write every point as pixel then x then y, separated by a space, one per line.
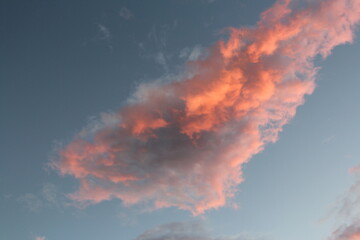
pixel 183 143
pixel 351 232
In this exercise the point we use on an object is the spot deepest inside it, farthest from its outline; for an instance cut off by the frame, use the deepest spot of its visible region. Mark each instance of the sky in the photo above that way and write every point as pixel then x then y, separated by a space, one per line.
pixel 179 120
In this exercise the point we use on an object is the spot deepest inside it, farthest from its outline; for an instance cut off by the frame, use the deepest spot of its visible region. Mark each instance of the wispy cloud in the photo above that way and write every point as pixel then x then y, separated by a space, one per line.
pixel 105 35
pixel 158 35
pixel 48 197
pixel 104 31
pixel 31 201
pixel 40 238
pixel 347 211
pixel 155 46
pixel 160 58
pixel 196 53
pixel 182 144
pixel 186 231
pixel 355 170
pixel 126 13
pixel 329 139
pixel 351 232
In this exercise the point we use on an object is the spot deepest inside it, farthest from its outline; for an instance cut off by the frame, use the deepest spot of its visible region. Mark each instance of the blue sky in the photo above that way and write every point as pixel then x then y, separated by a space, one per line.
pixel 64 63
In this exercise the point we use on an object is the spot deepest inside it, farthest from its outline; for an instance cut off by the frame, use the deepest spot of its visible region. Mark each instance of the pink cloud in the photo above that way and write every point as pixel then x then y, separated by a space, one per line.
pixel 182 144
pixel 351 232
pixel 40 238
pixel 355 170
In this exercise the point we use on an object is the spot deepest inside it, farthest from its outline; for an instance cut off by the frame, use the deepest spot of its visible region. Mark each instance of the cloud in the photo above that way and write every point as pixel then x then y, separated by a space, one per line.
pixel 160 58
pixel 158 34
pixel 355 170
pixel 175 231
pixel 157 41
pixel 48 197
pixel 192 54
pixel 183 231
pixel 104 31
pixel 347 210
pixel 105 35
pixel 351 232
pixel 51 195
pixel 126 13
pixel 348 205
pixel 40 238
pixel 31 202
pixel 183 144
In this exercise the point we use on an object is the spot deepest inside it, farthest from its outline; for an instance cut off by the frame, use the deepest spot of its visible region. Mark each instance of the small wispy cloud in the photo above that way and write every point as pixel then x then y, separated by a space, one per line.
pixel 7 196
pixel 329 139
pixel 160 58
pixel 48 197
pixel 31 201
pixel 126 13
pixel 40 238
pixel 155 46
pixel 192 54
pixel 105 35
pixel 350 232
pixel 188 231
pixel 347 212
pixel 104 31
